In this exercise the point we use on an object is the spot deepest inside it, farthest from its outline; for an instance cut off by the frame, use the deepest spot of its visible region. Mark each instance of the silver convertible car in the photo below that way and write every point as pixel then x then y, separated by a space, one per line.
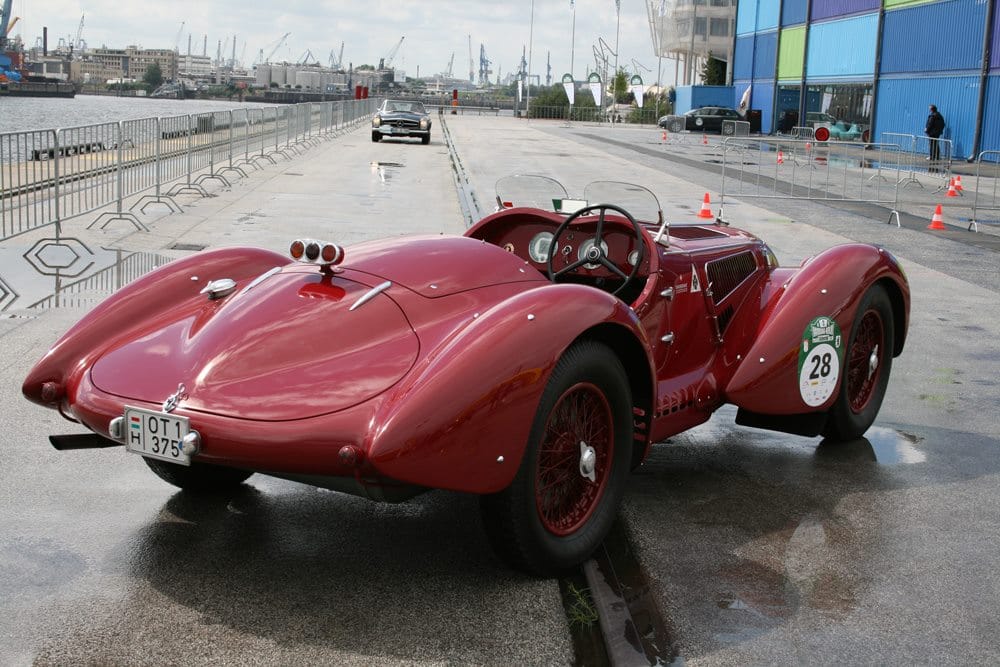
pixel 398 118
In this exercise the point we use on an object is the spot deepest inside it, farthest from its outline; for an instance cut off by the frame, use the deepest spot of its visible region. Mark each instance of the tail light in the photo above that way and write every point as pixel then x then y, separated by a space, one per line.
pixel 316 252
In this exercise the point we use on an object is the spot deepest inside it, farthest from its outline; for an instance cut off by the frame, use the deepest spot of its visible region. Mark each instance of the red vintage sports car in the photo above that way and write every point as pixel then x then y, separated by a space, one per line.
pixel 533 360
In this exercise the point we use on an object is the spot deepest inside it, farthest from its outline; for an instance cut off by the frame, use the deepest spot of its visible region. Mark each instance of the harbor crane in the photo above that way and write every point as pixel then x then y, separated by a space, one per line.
pixel 472 67
pixel 5 22
pixel 484 66
pixel 79 44
pixel 386 62
pixel 336 63
pixel 274 50
pixel 451 66
pixel 177 39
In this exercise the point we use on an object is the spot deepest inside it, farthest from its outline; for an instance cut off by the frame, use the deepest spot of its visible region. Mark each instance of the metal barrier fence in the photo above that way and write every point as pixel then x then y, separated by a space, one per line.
pixel 987 195
pixel 736 128
pixel 799 169
pixel 49 176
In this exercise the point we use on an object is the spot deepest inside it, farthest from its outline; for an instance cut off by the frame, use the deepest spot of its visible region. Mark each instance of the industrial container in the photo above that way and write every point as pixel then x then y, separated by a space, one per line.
pixel 842 48
pixel 743 58
pixel 756 16
pixel 825 9
pixel 902 107
pixel 940 36
pixel 991 120
pixel 765 56
pixel 995 47
pixel 693 97
pixel 762 98
pixel 791 53
pixel 793 12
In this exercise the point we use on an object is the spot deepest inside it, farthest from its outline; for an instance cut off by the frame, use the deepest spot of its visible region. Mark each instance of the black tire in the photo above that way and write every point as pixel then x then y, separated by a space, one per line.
pixel 201 477
pixel 676 126
pixel 376 137
pixel 862 387
pixel 425 139
pixel 525 526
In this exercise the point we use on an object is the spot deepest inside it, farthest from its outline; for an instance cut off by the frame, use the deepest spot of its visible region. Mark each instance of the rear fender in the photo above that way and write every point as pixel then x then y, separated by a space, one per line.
pixel 121 316
pixel 462 418
pixel 831 284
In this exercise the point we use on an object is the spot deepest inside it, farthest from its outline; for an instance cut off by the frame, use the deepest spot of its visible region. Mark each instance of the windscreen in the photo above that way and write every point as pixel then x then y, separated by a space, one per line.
pixel 637 200
pixel 529 190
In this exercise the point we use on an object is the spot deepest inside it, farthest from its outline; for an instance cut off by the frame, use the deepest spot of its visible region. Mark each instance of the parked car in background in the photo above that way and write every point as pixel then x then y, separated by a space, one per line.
pixel 399 118
pixel 705 119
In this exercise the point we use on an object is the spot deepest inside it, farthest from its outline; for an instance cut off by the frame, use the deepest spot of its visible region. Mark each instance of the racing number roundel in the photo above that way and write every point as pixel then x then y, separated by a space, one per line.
pixel 819 361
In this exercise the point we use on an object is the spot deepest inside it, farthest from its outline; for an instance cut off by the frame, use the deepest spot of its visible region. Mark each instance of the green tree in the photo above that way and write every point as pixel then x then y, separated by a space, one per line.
pixel 153 76
pixel 713 72
pixel 619 87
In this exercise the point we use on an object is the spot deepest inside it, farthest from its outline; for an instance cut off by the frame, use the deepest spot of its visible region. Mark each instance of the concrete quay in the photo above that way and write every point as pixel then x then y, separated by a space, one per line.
pixel 759 548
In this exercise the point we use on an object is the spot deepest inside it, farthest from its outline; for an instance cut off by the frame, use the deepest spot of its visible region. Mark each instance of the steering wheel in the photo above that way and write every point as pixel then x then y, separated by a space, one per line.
pixel 596 254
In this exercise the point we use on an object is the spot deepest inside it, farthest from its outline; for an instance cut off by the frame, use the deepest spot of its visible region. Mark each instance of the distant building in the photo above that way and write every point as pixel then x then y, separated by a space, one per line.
pixel 128 63
pixel 194 67
pixel 689 31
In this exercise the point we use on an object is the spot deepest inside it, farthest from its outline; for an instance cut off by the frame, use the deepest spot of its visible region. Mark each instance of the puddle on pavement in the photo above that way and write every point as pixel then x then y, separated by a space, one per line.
pixel 67 272
pixel 615 589
pixel 383 171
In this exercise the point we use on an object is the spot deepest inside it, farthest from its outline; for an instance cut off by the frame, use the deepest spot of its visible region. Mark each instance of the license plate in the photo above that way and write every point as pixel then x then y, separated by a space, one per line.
pixel 388 129
pixel 156 435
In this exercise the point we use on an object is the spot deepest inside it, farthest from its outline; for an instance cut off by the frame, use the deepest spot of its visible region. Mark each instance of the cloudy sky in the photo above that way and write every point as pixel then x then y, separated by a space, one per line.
pixel 433 30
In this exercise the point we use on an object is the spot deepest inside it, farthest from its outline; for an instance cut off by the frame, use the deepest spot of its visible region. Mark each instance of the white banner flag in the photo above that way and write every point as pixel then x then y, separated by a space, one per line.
pixel 594 82
pixel 636 88
pixel 570 86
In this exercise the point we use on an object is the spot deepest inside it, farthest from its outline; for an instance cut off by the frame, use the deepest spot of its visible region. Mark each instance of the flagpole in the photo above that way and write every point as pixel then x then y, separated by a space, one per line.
pixel 531 33
pixel 659 65
pixel 572 41
pixel 618 32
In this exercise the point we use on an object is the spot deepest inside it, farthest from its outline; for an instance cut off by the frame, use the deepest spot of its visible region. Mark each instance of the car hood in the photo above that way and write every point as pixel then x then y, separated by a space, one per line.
pixel 401 115
pixel 291 347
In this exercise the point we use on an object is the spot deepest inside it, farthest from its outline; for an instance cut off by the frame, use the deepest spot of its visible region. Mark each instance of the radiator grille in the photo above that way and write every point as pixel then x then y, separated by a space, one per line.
pixel 727 274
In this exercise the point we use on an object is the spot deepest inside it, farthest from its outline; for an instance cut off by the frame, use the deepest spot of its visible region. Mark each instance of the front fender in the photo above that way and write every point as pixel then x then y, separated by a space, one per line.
pixel 461 420
pixel 830 284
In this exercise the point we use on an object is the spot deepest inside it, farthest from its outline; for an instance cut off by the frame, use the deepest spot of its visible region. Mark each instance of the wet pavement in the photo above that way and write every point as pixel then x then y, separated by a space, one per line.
pixel 753 547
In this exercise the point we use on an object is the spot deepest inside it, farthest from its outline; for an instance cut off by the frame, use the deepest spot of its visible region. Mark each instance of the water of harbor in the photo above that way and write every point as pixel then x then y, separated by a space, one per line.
pixel 19 114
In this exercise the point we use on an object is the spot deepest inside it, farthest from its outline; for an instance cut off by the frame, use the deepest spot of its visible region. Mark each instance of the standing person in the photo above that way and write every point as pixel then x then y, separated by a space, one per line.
pixel 933 130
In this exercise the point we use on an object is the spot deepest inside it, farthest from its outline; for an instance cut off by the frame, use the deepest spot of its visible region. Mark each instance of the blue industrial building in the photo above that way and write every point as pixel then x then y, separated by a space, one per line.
pixel 870 67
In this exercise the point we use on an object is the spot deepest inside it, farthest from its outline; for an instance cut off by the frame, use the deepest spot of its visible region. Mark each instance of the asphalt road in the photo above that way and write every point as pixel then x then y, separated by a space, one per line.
pixel 761 548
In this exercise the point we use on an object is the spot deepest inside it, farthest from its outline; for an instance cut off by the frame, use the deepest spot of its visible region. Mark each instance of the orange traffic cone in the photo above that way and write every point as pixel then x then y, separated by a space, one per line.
pixel 704 139
pixel 808 147
pixel 936 221
pixel 958 183
pixel 951 188
pixel 781 158
pixel 706 209
pixel 664 137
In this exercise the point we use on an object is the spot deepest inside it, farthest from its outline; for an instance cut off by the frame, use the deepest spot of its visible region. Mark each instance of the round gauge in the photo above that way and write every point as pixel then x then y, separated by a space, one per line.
pixel 584 252
pixel 633 258
pixel 538 249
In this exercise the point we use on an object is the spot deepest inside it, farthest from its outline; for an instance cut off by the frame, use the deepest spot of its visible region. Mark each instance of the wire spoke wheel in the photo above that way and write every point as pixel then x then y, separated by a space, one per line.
pixel 564 496
pixel 867 366
pixel 571 478
pixel 864 362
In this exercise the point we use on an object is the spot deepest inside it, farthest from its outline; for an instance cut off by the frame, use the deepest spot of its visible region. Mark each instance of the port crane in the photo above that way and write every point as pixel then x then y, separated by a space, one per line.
pixel 274 50
pixel 472 67
pixel 337 63
pixel 386 62
pixel 451 66
pixel 177 39
pixel 5 22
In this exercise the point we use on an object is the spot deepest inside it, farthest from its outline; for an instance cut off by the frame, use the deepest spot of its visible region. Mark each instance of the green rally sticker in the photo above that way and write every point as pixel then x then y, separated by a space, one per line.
pixel 819 361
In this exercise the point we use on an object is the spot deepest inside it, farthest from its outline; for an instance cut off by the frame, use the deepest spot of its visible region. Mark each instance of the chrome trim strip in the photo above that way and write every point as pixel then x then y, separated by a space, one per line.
pixel 259 279
pixel 371 294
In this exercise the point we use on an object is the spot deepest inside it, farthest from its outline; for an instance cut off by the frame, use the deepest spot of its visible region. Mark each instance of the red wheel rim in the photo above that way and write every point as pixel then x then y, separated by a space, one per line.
pixel 864 363
pixel 564 497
